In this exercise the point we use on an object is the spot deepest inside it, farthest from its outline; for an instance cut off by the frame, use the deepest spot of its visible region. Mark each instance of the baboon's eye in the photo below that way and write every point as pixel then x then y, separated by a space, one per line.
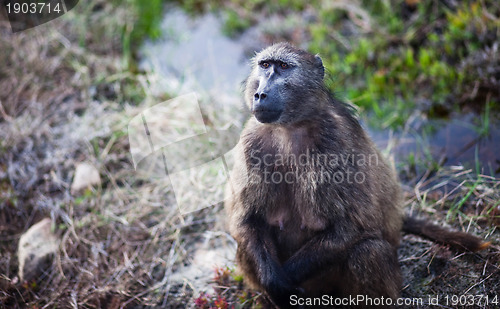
pixel 284 65
pixel 265 65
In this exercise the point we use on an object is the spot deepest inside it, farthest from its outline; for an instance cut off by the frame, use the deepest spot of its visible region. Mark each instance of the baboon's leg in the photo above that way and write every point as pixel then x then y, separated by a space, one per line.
pixel 372 269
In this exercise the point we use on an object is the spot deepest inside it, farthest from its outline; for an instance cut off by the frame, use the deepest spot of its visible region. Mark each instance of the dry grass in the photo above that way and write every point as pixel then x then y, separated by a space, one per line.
pixel 125 244
pixel 469 202
pixel 62 103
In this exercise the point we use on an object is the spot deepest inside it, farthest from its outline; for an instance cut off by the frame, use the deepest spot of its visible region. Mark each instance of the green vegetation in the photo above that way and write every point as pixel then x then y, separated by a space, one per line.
pixel 149 14
pixel 146 24
pixel 234 24
pixel 410 56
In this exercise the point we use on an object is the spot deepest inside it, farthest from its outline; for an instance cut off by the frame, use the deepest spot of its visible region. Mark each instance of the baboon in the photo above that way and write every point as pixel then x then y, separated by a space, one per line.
pixel 311 202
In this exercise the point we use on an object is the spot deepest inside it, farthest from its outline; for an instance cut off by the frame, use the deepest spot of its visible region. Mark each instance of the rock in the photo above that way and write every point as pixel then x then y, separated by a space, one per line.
pixel 36 249
pixel 86 175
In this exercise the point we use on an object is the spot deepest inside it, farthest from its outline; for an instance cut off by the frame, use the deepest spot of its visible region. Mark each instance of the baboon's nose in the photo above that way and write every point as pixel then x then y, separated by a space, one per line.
pixel 260 96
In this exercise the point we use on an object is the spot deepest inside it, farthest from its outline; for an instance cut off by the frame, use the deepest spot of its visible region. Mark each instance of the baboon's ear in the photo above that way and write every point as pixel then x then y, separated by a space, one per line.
pixel 319 66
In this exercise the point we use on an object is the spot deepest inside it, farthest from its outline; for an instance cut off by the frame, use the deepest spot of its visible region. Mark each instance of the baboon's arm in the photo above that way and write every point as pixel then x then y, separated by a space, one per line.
pixel 259 250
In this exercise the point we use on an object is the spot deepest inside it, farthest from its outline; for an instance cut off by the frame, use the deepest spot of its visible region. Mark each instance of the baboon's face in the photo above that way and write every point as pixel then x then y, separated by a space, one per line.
pixel 282 81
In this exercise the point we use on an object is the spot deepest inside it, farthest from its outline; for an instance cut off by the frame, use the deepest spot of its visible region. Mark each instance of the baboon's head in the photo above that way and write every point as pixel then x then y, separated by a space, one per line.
pixel 284 85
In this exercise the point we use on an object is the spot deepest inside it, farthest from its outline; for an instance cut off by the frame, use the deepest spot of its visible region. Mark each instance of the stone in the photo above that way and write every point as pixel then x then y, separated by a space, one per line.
pixel 36 249
pixel 86 175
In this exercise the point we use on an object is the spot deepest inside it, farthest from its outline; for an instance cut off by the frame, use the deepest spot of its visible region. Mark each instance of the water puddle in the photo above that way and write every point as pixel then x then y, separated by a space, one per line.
pixel 194 55
pixel 455 142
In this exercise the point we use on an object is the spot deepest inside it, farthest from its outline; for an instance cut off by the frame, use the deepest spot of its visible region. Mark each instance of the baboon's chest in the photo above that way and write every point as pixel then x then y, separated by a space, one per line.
pixel 289 172
pixel 294 214
pixel 286 170
pixel 292 228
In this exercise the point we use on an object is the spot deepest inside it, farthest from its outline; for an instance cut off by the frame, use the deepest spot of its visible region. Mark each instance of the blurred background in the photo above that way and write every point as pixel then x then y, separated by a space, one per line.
pixel 82 226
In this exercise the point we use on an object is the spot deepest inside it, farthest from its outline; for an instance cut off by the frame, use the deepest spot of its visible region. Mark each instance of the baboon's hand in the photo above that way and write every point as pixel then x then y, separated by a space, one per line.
pixel 278 284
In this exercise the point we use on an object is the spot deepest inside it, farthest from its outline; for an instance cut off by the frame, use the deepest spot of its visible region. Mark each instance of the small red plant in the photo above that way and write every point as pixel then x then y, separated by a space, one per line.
pixel 222 275
pixel 202 301
pixel 221 303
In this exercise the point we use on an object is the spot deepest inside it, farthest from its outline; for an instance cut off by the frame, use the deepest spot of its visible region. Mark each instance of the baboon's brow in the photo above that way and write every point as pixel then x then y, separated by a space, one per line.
pixel 286 57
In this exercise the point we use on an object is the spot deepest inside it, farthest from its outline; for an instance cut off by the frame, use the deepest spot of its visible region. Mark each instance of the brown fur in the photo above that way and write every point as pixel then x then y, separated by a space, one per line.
pixel 458 240
pixel 308 237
